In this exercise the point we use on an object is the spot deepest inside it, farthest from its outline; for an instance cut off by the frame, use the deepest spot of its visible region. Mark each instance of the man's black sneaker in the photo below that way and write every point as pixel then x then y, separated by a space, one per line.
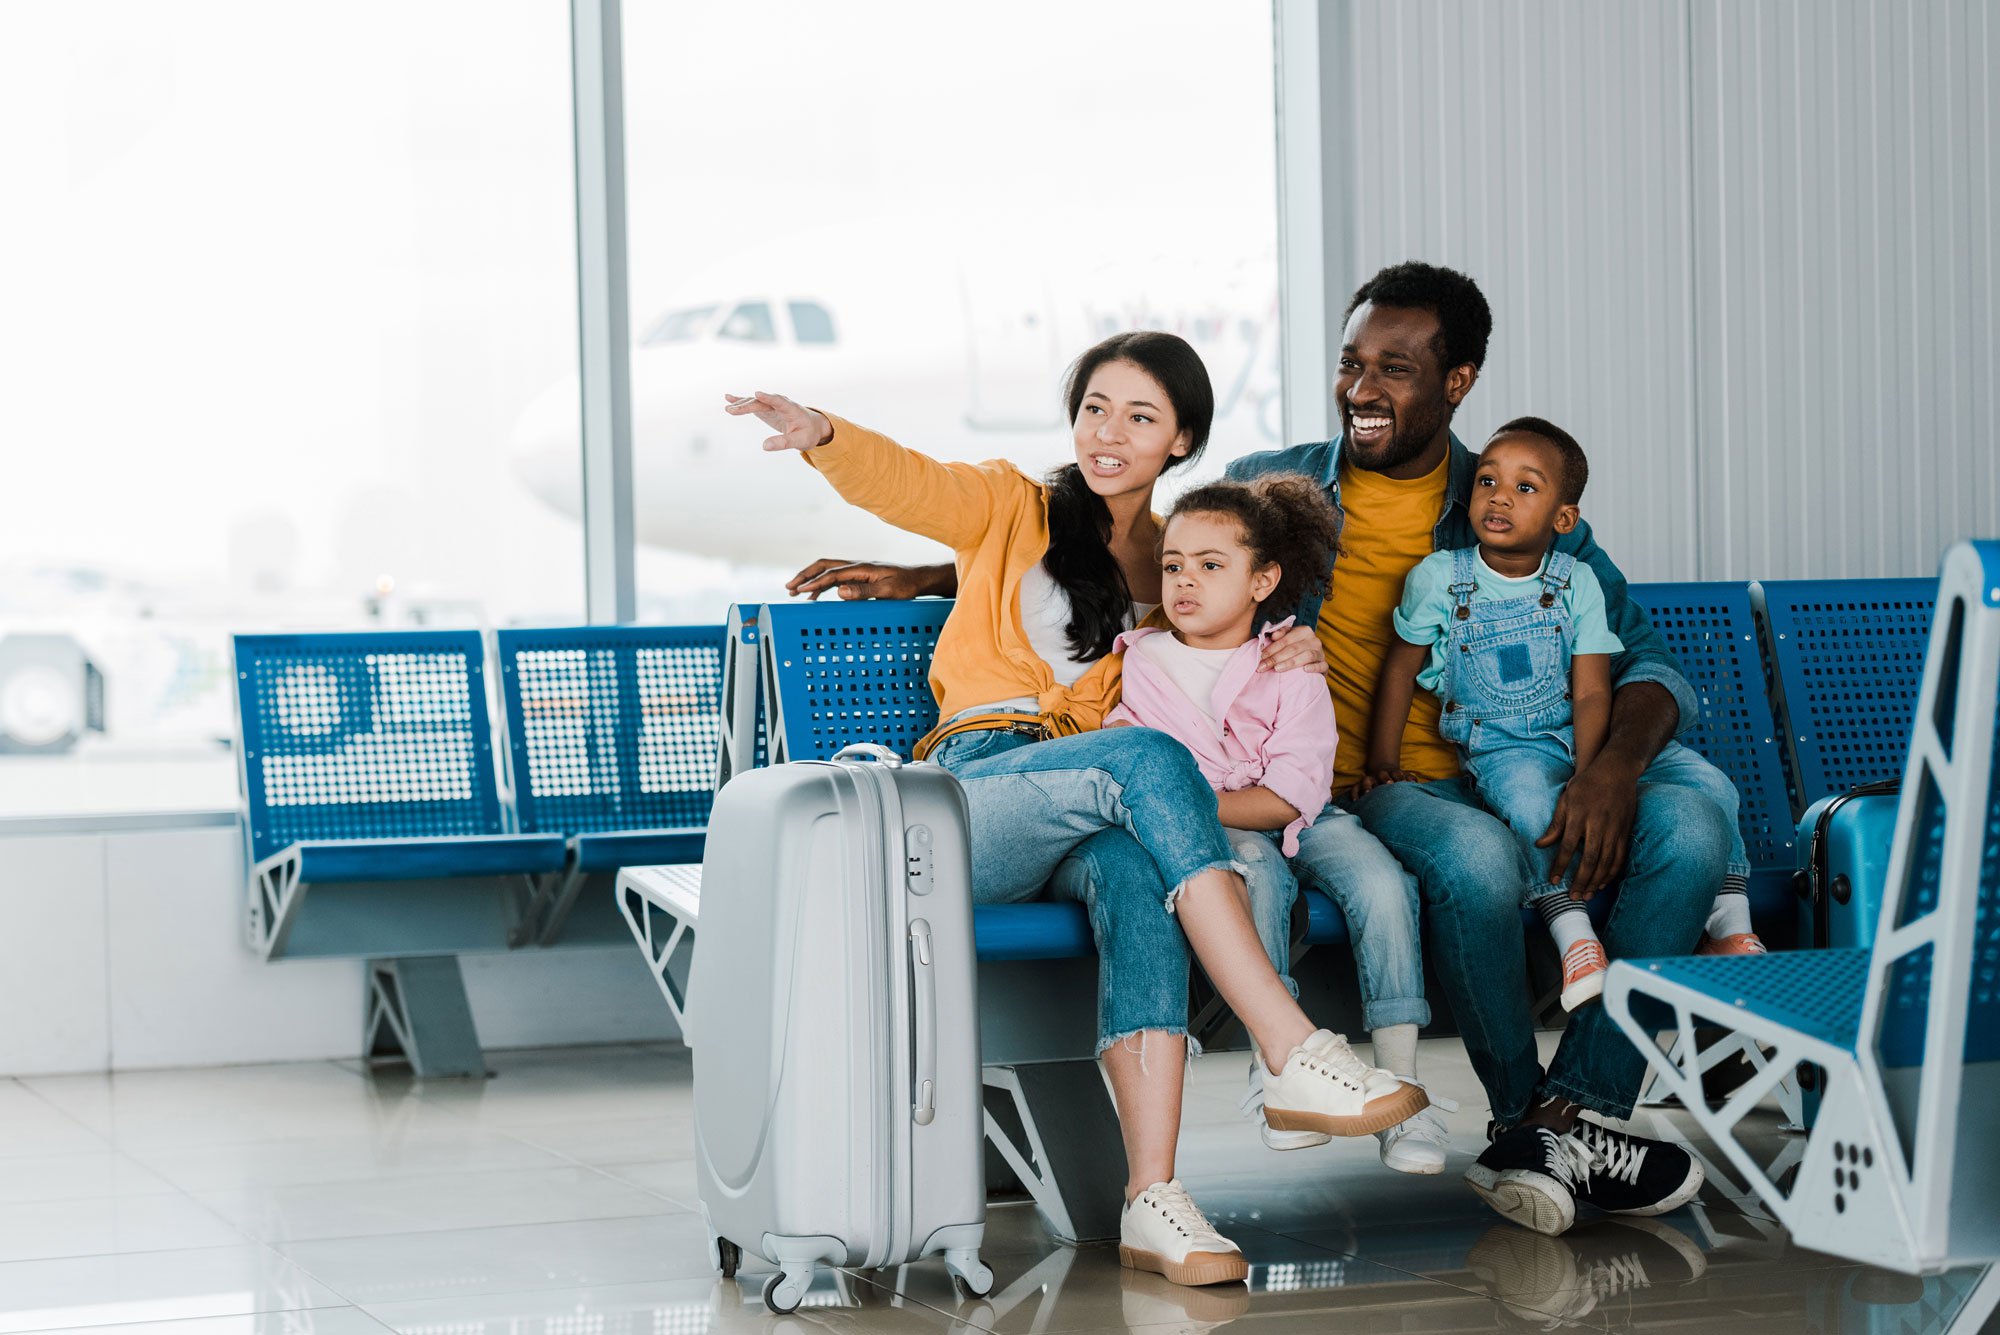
pixel 1531 1175
pixel 1630 1174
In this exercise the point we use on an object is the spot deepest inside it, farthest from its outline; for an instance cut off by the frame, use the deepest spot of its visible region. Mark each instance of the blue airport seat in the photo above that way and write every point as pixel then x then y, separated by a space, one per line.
pixel 613 733
pixel 1898 1170
pixel 636 848
pixel 375 824
pixel 1848 656
pixel 840 673
pixel 422 859
pixel 368 757
pixel 1711 629
pixel 1326 925
pixel 1038 930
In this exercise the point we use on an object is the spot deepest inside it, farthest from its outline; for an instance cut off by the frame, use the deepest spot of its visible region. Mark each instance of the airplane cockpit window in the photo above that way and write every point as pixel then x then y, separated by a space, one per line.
pixel 811 322
pixel 682 326
pixel 750 322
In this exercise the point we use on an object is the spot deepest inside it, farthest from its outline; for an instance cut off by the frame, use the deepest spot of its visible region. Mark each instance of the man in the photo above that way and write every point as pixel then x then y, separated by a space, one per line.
pixel 1414 341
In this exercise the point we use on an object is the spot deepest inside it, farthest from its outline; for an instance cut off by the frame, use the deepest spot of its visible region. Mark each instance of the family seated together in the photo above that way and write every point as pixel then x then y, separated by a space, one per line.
pixel 1397 671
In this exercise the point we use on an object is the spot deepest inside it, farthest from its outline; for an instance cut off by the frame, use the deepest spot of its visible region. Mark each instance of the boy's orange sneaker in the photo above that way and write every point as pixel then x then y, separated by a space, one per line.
pixel 1742 943
pixel 1583 972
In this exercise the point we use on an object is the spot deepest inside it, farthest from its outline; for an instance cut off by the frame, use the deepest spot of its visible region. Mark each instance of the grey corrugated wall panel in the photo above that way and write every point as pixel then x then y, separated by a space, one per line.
pixel 1744 250
pixel 1845 289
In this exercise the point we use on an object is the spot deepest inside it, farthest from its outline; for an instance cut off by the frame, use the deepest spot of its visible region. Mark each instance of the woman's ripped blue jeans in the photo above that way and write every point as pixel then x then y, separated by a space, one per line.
pixel 1118 820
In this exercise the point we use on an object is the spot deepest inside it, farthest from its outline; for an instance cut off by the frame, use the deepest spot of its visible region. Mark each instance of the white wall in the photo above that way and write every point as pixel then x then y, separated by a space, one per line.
pixel 1744 250
pixel 124 949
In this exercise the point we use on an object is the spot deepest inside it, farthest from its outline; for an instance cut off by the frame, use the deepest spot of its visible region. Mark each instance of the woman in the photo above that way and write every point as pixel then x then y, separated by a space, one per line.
pixel 1050 573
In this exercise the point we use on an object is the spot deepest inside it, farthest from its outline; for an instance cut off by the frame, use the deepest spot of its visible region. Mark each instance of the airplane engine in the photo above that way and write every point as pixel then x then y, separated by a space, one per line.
pixel 51 694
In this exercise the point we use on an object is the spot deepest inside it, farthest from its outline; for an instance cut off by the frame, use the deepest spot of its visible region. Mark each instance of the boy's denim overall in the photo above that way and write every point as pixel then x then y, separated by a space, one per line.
pixel 1506 695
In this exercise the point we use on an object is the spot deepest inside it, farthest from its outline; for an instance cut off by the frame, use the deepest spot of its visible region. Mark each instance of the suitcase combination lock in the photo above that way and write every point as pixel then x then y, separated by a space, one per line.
pixel 917 865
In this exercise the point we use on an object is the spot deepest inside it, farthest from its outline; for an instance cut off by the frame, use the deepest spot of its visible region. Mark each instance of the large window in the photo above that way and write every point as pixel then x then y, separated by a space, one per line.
pixel 282 283
pixel 916 215
pixel 290 317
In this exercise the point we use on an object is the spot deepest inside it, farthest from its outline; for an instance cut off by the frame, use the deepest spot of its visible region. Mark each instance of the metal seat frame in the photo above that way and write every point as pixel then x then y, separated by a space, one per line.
pixel 1901 1169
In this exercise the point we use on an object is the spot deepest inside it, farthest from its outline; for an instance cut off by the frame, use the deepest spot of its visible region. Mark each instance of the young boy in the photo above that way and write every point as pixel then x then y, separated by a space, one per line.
pixel 1512 638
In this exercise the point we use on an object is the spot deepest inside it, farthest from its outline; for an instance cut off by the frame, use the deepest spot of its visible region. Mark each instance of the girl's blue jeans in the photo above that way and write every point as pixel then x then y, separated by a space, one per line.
pixel 1118 820
pixel 1378 898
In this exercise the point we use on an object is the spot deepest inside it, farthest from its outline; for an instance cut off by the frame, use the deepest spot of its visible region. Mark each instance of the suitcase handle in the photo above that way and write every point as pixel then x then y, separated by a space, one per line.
pixel 869 751
pixel 923 1079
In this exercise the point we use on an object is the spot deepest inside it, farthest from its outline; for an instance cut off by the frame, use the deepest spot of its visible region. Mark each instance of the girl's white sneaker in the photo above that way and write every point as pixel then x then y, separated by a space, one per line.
pixel 1163 1231
pixel 1324 1087
pixel 1252 1103
pixel 1417 1144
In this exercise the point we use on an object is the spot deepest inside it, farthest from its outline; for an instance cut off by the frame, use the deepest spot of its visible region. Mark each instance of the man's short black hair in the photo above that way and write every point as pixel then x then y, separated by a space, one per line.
pixel 1575 464
pixel 1465 321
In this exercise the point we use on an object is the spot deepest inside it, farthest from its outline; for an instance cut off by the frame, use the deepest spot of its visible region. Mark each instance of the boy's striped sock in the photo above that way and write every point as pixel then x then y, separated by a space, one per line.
pixel 1731 914
pixel 1567 921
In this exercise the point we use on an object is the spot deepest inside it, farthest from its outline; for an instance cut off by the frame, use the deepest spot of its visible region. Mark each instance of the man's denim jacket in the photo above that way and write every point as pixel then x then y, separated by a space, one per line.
pixel 1645 657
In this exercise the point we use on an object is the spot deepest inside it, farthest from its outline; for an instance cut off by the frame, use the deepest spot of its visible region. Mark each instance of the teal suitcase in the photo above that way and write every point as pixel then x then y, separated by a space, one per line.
pixel 1843 844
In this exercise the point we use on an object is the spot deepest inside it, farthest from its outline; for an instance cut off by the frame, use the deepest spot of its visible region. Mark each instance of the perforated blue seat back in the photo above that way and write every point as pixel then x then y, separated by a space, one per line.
pixel 1905 1008
pixel 613 727
pixel 371 735
pixel 1709 628
pixel 1982 1035
pixel 854 672
pixel 1850 660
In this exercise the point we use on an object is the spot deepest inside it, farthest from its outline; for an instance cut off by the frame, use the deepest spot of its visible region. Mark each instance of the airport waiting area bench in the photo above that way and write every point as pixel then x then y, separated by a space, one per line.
pixel 387 818
pixel 828 675
pixel 1901 1169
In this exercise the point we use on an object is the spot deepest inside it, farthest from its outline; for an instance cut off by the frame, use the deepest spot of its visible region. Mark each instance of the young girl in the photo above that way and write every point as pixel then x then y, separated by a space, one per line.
pixel 1050 572
pixel 1512 637
pixel 1232 556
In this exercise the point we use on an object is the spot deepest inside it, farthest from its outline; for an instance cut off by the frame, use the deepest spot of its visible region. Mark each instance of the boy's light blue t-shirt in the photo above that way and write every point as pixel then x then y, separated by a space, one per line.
pixel 1426 611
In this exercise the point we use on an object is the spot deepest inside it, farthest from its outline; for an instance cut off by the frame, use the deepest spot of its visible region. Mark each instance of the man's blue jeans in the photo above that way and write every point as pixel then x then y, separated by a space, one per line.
pixel 1470 870
pixel 1118 820
pixel 1342 860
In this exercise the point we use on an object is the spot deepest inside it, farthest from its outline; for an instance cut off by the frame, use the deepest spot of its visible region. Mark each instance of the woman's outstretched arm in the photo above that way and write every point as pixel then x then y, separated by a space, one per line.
pixel 949 503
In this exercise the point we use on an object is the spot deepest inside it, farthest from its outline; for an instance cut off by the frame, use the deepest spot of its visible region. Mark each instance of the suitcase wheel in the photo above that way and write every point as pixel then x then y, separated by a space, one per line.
pixel 728 1256
pixel 783 1292
pixel 967 1272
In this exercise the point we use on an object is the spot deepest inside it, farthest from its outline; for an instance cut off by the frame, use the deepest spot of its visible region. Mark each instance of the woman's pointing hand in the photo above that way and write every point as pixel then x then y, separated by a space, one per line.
pixel 798 427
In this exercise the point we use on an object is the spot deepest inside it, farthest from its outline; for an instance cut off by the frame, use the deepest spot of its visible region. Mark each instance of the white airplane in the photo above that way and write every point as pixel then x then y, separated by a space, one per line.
pixel 957 350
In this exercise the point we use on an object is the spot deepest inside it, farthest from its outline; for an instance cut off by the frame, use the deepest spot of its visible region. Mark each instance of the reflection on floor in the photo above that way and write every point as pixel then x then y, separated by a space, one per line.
pixel 554 1199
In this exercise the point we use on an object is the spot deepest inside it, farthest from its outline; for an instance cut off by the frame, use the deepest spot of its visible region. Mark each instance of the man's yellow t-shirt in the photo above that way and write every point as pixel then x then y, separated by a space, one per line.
pixel 1388 530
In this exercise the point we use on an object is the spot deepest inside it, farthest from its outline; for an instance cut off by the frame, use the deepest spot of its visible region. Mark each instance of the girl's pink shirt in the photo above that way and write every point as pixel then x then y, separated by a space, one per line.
pixel 1277 727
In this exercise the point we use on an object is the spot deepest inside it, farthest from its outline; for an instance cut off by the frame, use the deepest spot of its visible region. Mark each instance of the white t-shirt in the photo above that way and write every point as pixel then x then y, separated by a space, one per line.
pixel 1194 671
pixel 1045 613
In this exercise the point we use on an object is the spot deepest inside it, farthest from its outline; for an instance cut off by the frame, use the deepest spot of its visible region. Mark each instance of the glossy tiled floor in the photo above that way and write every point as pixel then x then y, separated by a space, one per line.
pixel 554 1199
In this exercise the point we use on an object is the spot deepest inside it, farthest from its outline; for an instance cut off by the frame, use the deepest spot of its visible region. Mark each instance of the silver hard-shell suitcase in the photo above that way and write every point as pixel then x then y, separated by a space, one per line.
pixel 838 1111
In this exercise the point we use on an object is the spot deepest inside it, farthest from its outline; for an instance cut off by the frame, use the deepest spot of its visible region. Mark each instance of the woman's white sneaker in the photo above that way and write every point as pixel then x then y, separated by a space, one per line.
pixel 1324 1087
pixel 1164 1232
